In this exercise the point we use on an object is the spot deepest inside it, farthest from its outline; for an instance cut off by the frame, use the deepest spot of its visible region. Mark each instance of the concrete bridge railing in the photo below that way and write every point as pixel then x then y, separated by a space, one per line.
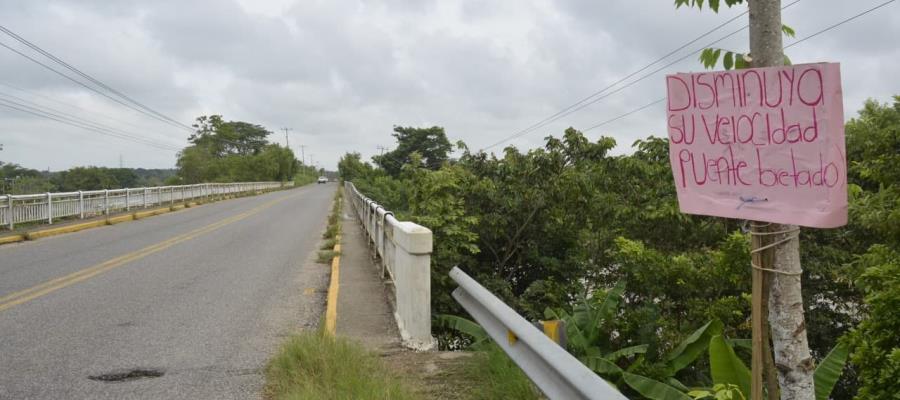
pixel 404 249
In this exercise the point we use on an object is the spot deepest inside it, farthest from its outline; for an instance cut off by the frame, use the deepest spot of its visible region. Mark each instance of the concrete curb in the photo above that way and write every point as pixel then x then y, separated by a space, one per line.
pixel 333 289
pixel 63 229
pixel 150 213
pixel 12 239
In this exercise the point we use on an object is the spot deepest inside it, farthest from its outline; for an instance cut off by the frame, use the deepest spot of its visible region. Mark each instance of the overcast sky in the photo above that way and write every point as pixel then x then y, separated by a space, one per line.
pixel 342 73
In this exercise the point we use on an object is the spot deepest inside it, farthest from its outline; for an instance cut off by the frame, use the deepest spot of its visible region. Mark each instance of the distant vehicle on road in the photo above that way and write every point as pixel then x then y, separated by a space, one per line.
pixel 322 179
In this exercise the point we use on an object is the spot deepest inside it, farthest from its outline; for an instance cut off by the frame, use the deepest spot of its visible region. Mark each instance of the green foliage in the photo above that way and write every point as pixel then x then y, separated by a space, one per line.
pixel 15 179
pixel 726 367
pixel 491 375
pixel 234 151
pixel 829 370
pixel 477 335
pixel 718 392
pixel 876 341
pixel 563 226
pixel 430 144
pixel 873 148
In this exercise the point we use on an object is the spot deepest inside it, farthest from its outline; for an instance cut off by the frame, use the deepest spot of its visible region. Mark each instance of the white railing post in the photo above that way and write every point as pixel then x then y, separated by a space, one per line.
pixel 145 198
pixel 49 208
pixel 9 214
pixel 80 204
pixel 127 200
pixel 12 218
pixel 105 201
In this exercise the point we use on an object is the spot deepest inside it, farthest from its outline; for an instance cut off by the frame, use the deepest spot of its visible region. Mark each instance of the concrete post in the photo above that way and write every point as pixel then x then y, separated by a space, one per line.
pixel 145 198
pixel 81 204
pixel 105 201
pixel 127 200
pixel 412 281
pixel 49 208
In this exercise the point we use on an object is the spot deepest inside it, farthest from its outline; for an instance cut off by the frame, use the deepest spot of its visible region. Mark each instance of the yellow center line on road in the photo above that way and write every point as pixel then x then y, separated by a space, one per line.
pixel 16 298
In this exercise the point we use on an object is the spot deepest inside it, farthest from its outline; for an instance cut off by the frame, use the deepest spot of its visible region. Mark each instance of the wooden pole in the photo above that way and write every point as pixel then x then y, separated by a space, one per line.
pixel 757 315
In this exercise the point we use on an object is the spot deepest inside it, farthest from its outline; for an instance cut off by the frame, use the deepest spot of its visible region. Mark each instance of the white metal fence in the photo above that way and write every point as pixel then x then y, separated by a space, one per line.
pixel 405 252
pixel 47 207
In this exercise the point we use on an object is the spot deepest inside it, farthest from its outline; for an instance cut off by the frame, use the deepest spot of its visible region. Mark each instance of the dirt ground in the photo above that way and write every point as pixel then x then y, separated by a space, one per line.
pixel 433 374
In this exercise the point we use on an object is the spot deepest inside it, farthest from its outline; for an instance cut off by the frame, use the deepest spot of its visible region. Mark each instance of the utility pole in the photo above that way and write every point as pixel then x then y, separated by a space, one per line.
pixel 287 143
pixel 779 244
pixel 382 149
pixel 302 157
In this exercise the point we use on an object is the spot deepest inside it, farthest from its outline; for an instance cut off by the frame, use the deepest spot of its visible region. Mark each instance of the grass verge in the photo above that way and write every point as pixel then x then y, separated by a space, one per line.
pixel 491 374
pixel 317 366
pixel 332 231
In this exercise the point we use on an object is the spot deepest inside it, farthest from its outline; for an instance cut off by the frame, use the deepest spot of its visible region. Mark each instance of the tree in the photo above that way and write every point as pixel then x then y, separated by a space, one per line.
pixel 351 167
pixel 228 138
pixel 233 151
pixel 873 142
pixel 430 143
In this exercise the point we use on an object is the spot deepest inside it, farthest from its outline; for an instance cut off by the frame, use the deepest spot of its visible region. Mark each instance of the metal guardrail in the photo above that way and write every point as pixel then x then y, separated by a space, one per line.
pixel 16 209
pixel 556 372
pixel 405 252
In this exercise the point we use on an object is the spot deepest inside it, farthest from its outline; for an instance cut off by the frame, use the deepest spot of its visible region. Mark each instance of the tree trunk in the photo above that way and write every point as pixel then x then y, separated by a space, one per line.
pixel 793 361
pixel 792 357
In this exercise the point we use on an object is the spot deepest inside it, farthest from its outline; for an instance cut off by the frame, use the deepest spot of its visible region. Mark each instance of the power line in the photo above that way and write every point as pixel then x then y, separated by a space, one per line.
pixel 68 105
pixel 623 79
pixel 592 99
pixel 82 84
pixel 645 106
pixel 830 27
pixel 839 23
pixel 93 127
pixel 142 108
pixel 62 114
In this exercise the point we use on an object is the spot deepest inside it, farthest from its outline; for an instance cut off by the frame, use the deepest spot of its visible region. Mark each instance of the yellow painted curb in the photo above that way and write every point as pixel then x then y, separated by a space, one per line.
pixel 150 213
pixel 121 218
pixel 177 207
pixel 11 239
pixel 333 288
pixel 64 229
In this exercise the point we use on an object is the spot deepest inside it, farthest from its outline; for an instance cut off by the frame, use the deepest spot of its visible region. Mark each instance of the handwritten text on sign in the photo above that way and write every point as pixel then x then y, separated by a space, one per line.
pixel 764 144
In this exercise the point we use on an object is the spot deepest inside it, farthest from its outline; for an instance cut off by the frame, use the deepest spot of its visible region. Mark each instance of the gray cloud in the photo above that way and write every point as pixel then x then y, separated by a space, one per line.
pixel 342 73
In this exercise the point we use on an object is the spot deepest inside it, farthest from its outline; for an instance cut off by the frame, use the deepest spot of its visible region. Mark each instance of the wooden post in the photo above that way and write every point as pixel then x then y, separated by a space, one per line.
pixel 785 303
pixel 756 314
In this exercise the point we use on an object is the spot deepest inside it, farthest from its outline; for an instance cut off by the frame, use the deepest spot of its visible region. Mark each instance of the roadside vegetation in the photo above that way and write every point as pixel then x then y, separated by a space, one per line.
pixel 556 231
pixel 314 365
pixel 330 236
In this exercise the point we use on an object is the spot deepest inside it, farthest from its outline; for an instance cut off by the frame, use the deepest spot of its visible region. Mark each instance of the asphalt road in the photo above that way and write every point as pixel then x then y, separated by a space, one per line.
pixel 203 295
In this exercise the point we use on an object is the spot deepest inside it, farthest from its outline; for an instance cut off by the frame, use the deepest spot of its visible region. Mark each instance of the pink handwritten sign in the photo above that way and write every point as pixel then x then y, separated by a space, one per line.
pixel 764 144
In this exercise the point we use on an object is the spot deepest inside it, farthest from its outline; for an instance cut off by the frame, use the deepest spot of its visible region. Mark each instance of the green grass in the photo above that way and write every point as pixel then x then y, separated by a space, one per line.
pixel 325 256
pixel 491 374
pixel 316 366
pixel 332 231
pixel 327 244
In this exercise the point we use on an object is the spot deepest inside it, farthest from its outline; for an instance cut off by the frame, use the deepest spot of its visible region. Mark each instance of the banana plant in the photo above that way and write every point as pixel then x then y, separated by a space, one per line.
pixel 728 369
pixel 475 332
pixel 589 327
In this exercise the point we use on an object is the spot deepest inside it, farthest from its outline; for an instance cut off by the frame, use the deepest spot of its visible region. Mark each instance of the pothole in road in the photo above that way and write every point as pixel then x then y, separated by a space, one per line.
pixel 128 375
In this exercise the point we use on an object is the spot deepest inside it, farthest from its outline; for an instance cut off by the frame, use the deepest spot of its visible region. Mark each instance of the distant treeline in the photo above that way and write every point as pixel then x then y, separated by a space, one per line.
pixel 219 151
pixel 15 179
